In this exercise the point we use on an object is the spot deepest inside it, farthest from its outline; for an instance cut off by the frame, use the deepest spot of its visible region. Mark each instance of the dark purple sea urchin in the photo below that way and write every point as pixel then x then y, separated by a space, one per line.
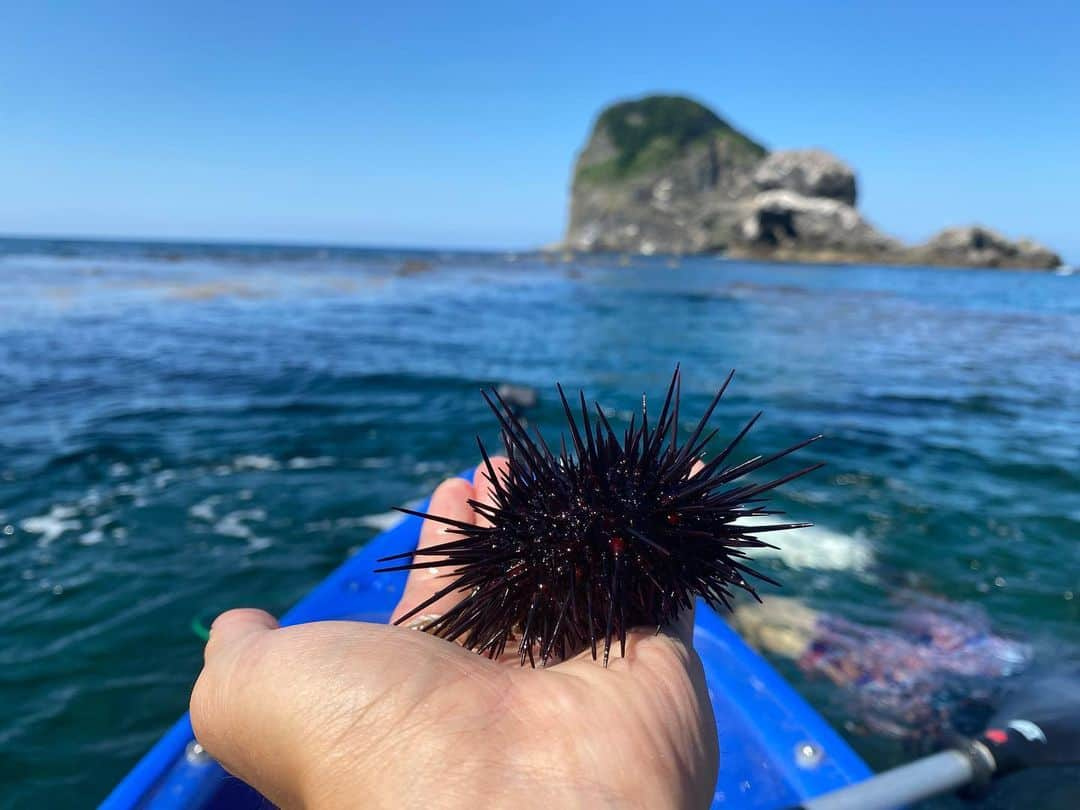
pixel 585 545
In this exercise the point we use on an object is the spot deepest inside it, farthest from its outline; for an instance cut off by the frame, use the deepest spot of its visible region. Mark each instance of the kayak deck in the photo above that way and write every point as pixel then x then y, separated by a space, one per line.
pixel 775 750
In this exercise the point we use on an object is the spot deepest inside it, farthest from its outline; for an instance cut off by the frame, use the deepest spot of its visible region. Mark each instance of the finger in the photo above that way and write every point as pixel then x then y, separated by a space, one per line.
pixel 450 500
pixel 224 687
pixel 267 697
pixel 485 488
pixel 232 626
pixel 318 715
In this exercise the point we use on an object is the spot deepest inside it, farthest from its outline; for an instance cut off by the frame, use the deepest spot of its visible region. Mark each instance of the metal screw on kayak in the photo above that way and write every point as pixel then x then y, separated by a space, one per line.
pixel 196 754
pixel 808 755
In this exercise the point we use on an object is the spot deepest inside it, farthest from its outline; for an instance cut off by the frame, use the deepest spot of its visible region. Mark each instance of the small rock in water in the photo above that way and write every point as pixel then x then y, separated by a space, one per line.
pixel 518 397
pixel 976 246
pixel 414 267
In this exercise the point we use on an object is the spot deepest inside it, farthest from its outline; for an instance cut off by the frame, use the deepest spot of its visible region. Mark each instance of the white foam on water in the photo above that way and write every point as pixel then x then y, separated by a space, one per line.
pixel 428 467
pixel 338 523
pixel 382 521
pixel 52 525
pixel 204 509
pixel 164 478
pixel 92 537
pixel 302 463
pixel 254 462
pixel 815 547
pixel 233 525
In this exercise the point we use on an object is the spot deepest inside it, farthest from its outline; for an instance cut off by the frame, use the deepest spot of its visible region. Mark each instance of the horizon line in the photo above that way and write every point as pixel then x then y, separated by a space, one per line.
pixel 255 242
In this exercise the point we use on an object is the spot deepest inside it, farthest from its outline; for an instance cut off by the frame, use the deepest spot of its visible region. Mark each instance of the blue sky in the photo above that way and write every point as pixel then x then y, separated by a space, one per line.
pixel 455 125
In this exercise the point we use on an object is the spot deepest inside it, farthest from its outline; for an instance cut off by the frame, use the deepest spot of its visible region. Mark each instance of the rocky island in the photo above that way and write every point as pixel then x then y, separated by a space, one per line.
pixel 665 174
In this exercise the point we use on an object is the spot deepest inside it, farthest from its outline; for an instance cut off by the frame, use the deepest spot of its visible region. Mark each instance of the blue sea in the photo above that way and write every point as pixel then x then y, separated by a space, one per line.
pixel 189 427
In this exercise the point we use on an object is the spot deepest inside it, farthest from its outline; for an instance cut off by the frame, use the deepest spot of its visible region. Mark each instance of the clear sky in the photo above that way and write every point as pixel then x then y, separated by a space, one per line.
pixel 450 124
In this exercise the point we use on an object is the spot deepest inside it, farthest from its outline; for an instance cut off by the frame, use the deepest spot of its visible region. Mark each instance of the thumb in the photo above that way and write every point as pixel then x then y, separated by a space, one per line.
pixel 284 707
pixel 233 626
pixel 232 704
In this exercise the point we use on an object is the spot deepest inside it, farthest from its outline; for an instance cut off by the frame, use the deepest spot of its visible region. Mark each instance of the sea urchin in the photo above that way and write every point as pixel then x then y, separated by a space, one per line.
pixel 588 543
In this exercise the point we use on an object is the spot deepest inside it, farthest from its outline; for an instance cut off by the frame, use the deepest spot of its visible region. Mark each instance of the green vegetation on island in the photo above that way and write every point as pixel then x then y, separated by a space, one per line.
pixel 650 132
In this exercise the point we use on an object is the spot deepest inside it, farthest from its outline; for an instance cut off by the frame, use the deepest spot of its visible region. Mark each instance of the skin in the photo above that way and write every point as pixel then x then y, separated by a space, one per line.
pixel 349 714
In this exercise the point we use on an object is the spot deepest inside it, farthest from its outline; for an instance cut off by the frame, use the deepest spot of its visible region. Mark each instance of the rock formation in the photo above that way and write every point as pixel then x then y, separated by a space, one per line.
pixel 974 246
pixel 809 172
pixel 664 174
pixel 785 225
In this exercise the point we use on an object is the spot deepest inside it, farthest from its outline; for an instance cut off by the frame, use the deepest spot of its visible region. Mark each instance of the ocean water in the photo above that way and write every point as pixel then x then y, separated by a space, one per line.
pixel 185 428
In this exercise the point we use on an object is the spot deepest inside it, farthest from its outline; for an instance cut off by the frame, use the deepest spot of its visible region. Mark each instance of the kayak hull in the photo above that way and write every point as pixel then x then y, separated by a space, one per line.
pixel 775 749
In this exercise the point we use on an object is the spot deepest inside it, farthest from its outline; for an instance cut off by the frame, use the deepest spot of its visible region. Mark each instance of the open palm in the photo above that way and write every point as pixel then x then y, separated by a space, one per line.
pixel 347 714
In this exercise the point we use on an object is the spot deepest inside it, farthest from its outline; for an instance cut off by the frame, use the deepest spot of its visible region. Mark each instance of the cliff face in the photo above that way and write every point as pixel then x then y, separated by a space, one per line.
pixel 808 172
pixel 664 174
pixel 803 209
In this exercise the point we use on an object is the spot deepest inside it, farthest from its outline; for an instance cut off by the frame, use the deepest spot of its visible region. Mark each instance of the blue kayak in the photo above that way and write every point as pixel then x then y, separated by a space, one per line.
pixel 775 749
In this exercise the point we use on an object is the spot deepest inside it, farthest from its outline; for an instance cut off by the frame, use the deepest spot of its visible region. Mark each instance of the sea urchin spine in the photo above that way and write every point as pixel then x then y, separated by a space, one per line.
pixel 588 543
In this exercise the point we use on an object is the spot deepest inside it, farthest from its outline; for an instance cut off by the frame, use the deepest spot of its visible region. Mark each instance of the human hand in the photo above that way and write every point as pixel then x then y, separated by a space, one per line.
pixel 349 714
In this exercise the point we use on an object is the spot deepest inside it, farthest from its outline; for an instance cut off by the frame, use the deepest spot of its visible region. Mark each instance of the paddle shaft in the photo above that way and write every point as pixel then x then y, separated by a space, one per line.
pixel 1038 726
pixel 940 773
